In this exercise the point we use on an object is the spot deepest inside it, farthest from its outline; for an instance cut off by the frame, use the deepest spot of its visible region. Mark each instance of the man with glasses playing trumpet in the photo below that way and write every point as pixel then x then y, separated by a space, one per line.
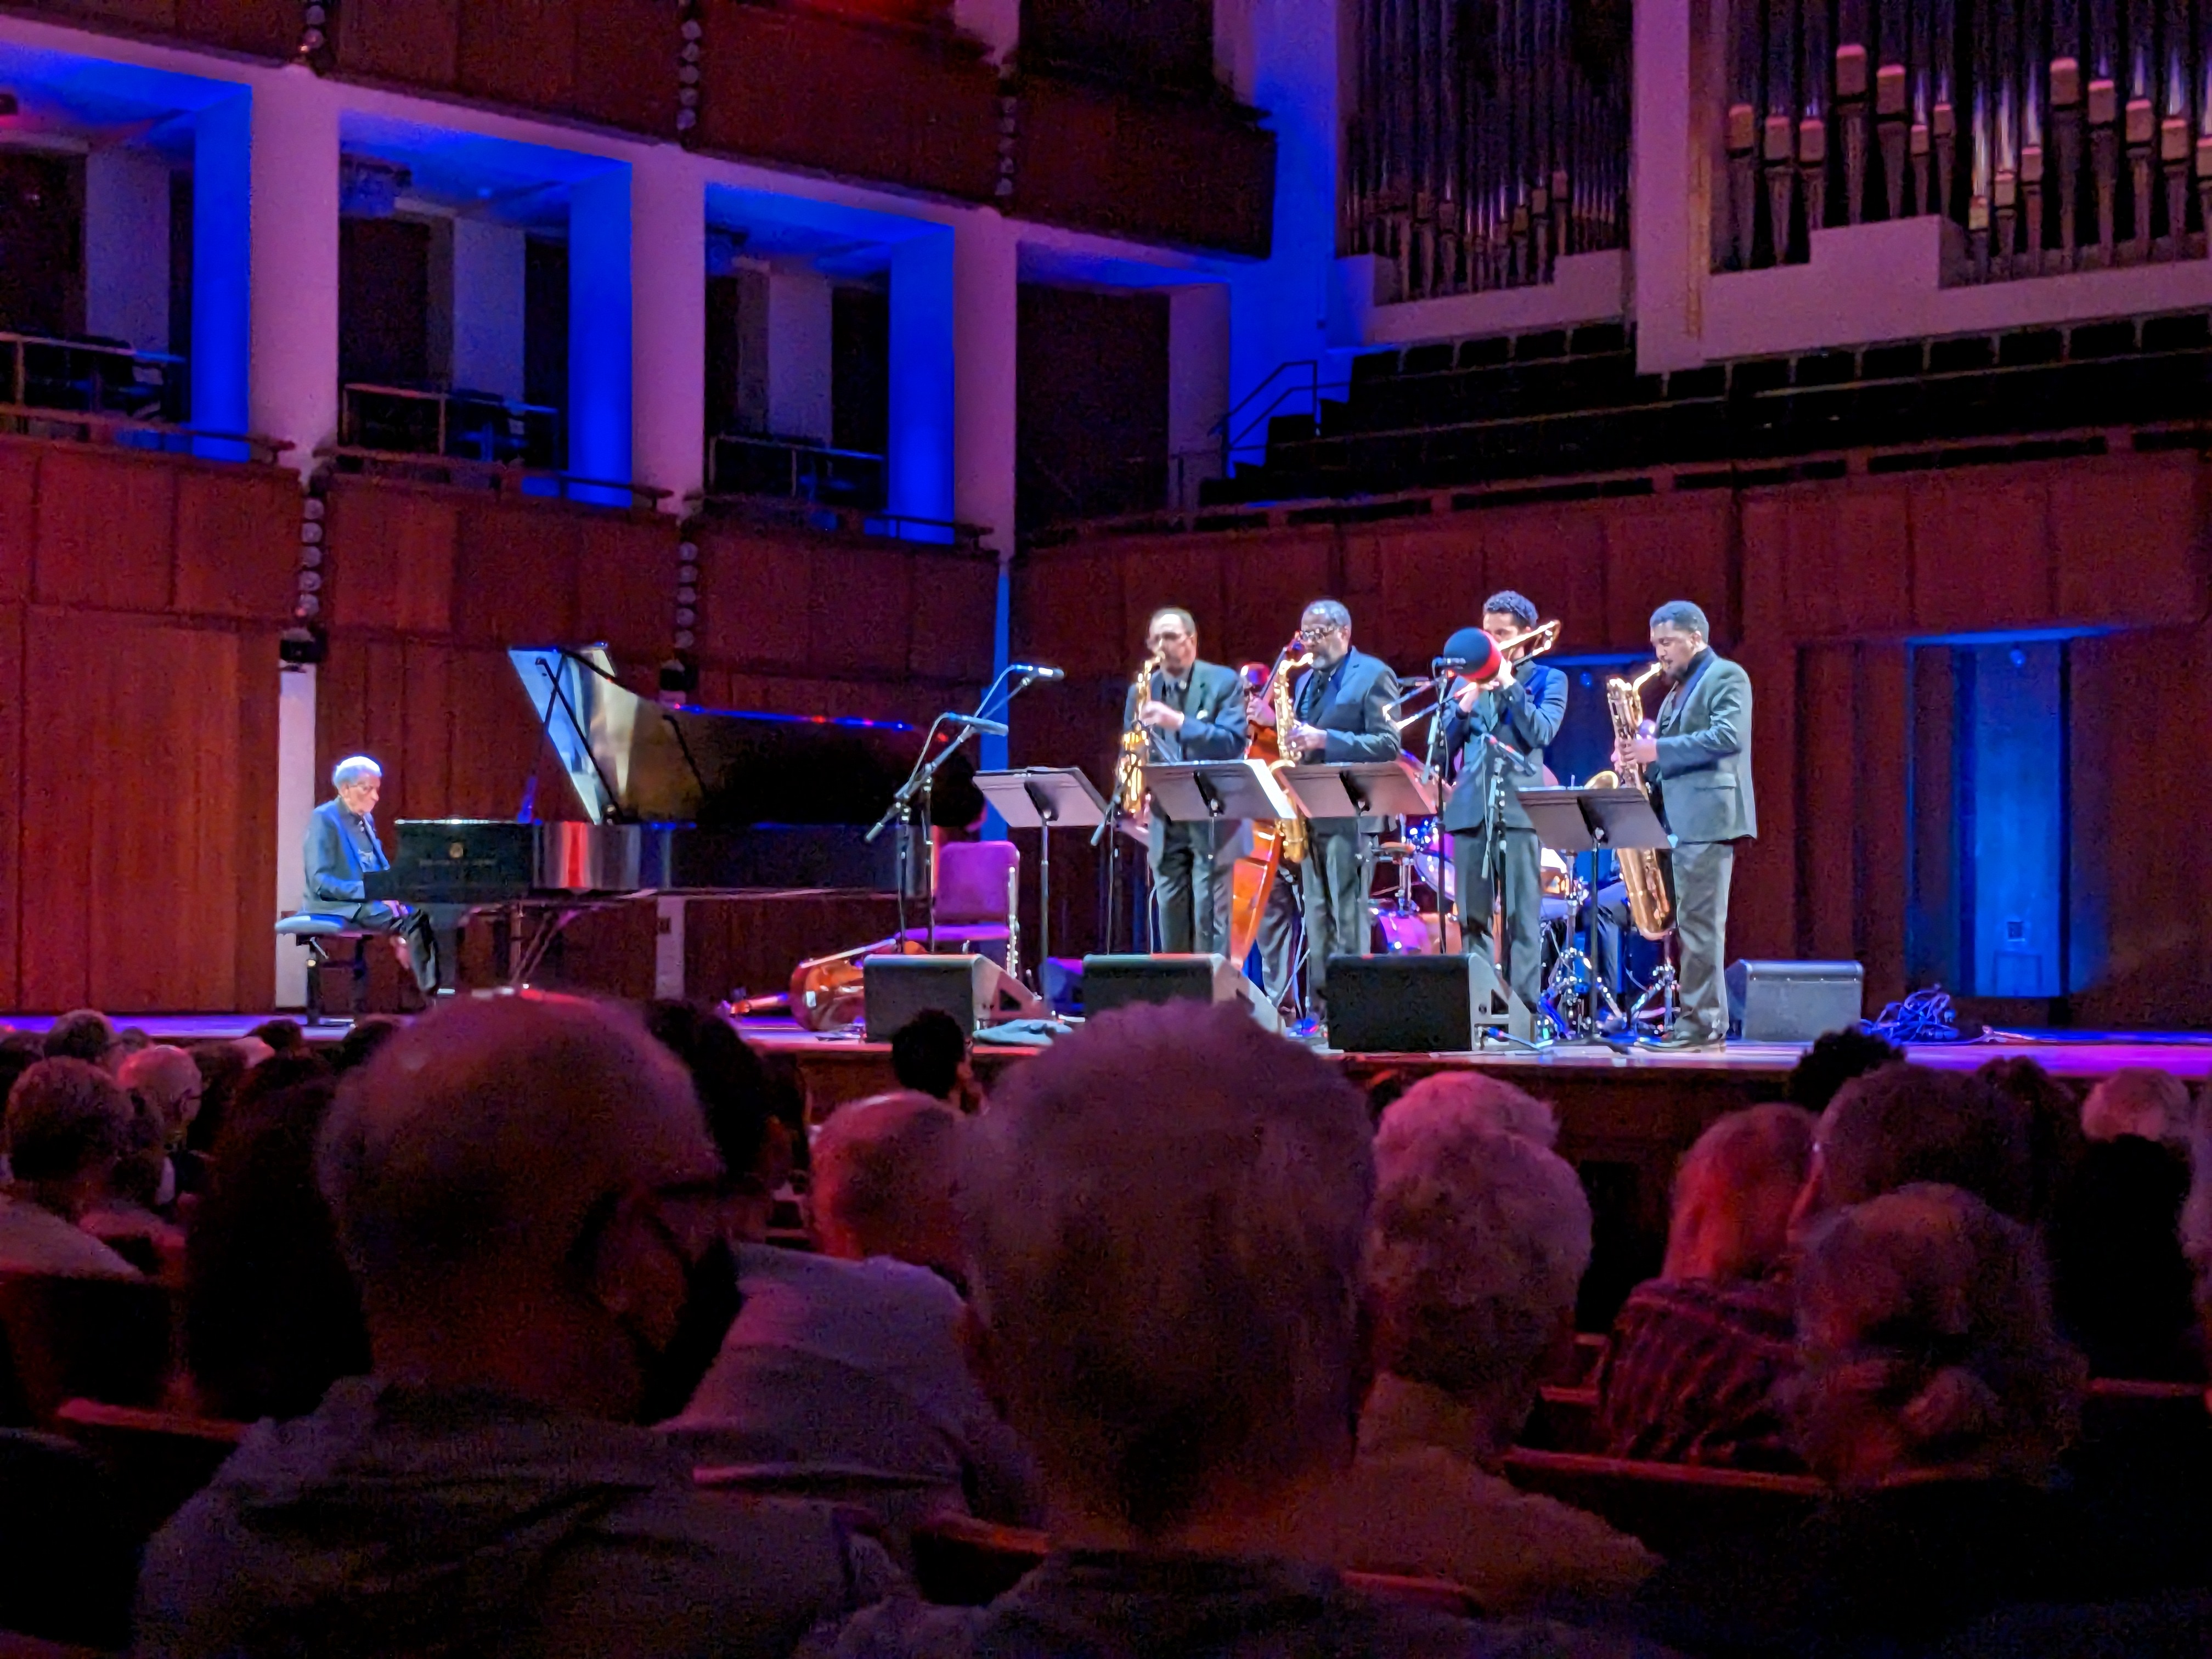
pixel 1486 724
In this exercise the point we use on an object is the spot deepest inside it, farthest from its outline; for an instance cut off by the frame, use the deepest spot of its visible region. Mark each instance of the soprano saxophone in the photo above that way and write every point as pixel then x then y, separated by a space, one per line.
pixel 1649 907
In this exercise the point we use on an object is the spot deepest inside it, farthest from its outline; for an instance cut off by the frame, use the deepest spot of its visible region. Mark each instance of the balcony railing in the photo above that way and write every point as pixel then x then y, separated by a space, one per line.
pixel 473 426
pixel 91 374
pixel 784 469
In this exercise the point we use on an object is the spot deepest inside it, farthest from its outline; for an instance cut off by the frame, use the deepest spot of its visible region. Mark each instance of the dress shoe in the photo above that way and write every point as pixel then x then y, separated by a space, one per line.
pixel 1688 1040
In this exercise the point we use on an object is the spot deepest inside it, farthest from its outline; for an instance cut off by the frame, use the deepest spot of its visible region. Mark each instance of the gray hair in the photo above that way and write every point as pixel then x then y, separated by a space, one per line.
pixel 1932 1311
pixel 1165 1217
pixel 1683 615
pixel 65 1117
pixel 1189 622
pixel 1330 611
pixel 883 1169
pixel 1507 602
pixel 2138 1100
pixel 1913 1123
pixel 1475 1246
pixel 476 1145
pixel 352 771
pixel 1490 1102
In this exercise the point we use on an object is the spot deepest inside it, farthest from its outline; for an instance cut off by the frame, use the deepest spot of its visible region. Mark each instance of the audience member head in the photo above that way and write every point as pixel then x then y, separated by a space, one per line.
pixel 168 1082
pixel 141 1177
pixel 2054 1125
pixel 2141 1101
pixel 1479 1097
pixel 84 1034
pixel 271 1318
pixel 19 1052
pixel 1166 1212
pixel 929 1054
pixel 223 1068
pixel 526 1193
pixel 1913 1123
pixel 282 1034
pixel 885 1182
pixel 279 1072
pixel 128 1041
pixel 1925 1337
pixel 1385 1089
pixel 68 1124
pixel 1476 1244
pixel 1733 1196
pixel 369 1033
pixel 1835 1058
pixel 733 1092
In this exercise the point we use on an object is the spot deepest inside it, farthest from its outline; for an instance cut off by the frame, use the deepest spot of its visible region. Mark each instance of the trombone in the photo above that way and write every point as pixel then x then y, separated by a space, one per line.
pixel 1531 642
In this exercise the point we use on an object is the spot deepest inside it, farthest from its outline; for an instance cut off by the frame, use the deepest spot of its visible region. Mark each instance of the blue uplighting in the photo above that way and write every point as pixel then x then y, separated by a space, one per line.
pixel 222 259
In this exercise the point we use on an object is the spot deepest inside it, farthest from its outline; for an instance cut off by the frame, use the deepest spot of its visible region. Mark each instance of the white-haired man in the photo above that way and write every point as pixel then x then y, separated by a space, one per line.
pixel 845 1375
pixel 528 1196
pixel 1475 1248
pixel 1166 1212
pixel 341 845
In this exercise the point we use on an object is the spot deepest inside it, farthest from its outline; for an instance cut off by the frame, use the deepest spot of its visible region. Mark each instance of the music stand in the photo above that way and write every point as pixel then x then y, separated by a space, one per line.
pixel 1037 797
pixel 1201 791
pixel 1583 820
pixel 1359 789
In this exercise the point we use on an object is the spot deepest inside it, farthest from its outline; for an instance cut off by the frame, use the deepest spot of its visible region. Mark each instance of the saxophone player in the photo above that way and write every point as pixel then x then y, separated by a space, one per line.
pixel 1697 764
pixel 1493 844
pixel 1191 711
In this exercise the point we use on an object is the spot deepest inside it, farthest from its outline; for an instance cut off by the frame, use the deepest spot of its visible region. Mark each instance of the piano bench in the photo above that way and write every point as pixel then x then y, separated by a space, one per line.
pixel 316 934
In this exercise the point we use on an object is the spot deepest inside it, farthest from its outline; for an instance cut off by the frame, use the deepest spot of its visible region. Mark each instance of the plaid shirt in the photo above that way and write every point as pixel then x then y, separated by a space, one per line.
pixel 1690 1372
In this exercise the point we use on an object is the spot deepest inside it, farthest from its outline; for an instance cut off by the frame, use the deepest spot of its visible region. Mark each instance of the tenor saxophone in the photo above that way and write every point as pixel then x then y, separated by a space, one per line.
pixel 1649 907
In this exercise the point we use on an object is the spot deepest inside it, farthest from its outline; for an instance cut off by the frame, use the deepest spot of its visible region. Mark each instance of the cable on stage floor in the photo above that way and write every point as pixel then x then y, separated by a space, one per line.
pixel 1923 1016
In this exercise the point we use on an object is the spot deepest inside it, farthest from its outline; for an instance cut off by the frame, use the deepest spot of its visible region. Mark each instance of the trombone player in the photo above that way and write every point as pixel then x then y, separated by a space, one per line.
pixel 1494 849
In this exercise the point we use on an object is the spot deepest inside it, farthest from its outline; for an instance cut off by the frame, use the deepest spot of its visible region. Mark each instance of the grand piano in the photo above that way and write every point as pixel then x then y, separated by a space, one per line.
pixel 678 802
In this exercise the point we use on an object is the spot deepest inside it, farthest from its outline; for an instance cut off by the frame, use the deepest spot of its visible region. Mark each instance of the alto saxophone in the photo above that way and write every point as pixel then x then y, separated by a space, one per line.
pixel 1649 907
pixel 1136 746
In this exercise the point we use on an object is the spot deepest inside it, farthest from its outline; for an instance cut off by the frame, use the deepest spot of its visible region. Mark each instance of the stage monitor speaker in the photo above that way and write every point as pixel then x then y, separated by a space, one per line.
pixel 1793 1001
pixel 974 989
pixel 1111 983
pixel 1419 1005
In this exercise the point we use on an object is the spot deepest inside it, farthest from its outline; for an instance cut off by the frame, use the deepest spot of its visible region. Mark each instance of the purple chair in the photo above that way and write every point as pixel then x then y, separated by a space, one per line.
pixel 971 897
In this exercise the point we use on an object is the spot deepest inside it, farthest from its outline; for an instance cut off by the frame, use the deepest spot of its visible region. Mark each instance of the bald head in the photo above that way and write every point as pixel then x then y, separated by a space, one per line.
pixel 474 1147
pixel 169 1080
pixel 885 1180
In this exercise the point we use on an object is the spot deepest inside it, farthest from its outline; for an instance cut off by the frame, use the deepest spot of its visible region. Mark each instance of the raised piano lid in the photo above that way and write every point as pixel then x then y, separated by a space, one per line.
pixel 631 760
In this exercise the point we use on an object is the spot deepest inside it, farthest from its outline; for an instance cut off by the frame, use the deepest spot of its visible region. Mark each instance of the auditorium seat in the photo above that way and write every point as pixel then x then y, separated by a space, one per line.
pixel 156 1459
pixel 1670 1506
pixel 104 1338
pixel 68 1559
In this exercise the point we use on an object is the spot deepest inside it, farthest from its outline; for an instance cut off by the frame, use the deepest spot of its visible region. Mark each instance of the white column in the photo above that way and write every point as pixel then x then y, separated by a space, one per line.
pixel 1198 385
pixel 295 278
pixel 295 801
pixel 800 364
pixel 985 249
pixel 920 463
pixel 1672 134
pixel 668 320
pixel 490 261
pixel 126 247
pixel 602 440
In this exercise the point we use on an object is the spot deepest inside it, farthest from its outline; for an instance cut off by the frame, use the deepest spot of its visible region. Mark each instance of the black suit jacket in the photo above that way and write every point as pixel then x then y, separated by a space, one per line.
pixel 1353 702
pixel 1213 726
pixel 1526 716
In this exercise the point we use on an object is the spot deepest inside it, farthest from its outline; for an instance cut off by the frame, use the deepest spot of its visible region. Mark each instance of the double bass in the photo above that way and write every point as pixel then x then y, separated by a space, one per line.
pixel 1275 843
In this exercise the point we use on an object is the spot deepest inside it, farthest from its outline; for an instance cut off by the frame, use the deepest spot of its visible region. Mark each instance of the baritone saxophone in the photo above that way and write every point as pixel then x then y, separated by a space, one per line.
pixel 1649 907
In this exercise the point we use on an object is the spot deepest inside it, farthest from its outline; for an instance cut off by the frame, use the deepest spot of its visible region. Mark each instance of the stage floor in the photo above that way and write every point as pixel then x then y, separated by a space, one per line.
pixel 2079 1055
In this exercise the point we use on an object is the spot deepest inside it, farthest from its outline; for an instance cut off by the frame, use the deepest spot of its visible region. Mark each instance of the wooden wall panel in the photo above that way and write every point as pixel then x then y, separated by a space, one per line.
pixel 1827 802
pixel 753 603
pixel 2128 536
pixel 416 42
pixel 860 605
pixel 627 52
pixel 1827 561
pixel 955 614
pixel 1068 609
pixel 1269 584
pixel 1884 834
pixel 1175 570
pixel 516 578
pixel 626 587
pixel 1981 551
pixel 520 51
pixel 1661 548
pixel 264 28
pixel 391 557
pixel 107 528
pixel 11 803
pixel 1763 898
pixel 19 521
pixel 1557 556
pixel 238 543
pixel 1428 578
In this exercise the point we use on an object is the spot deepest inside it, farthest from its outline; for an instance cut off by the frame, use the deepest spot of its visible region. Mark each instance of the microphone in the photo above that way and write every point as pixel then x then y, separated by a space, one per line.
pixel 977 723
pixel 1513 757
pixel 1036 670
pixel 1471 652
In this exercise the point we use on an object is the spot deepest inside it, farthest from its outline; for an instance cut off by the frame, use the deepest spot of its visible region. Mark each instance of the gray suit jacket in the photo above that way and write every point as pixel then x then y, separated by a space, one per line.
pixel 1525 716
pixel 334 864
pixel 1353 703
pixel 1701 782
pixel 1213 726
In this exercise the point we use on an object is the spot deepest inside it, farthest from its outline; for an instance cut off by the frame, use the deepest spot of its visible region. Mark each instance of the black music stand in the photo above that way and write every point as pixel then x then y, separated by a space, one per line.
pixel 1199 791
pixel 1038 798
pixel 1620 819
pixel 1364 789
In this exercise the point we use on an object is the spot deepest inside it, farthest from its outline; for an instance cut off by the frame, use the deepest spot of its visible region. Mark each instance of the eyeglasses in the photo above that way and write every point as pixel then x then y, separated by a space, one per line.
pixel 1314 634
